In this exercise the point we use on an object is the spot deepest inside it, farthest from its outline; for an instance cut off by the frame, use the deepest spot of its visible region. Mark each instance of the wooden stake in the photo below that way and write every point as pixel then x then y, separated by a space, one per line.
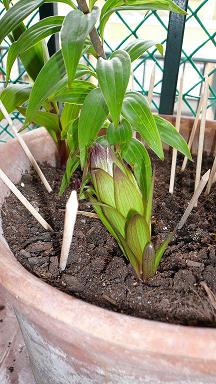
pixel 211 178
pixel 25 148
pixel 24 201
pixel 69 223
pixel 201 134
pixel 178 122
pixel 194 199
pixel 151 86
pixel 193 131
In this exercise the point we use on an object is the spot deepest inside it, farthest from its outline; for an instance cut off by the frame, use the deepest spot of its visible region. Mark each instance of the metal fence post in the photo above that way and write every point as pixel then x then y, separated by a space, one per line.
pixel 172 59
pixel 47 10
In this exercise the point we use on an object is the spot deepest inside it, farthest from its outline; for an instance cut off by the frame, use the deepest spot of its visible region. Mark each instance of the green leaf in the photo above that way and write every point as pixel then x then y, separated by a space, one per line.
pixel 47 83
pixel 137 156
pixel 127 195
pixel 75 29
pixel 137 235
pixel 92 3
pixel 119 5
pixel 171 136
pixel 104 187
pixel 69 113
pixel 72 136
pixel 14 96
pixel 13 17
pixel 115 218
pixel 162 248
pixel 120 134
pixel 71 166
pixel 138 47
pixel 137 111
pixel 76 94
pixel 113 77
pixel 45 119
pixel 92 116
pixel 32 36
pixel 116 234
pixel 149 203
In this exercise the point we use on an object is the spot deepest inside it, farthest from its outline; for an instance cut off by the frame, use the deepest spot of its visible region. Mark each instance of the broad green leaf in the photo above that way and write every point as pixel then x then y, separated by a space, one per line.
pixel 148 262
pixel 13 17
pixel 76 94
pixel 120 5
pixel 120 134
pixel 104 187
pixel 91 4
pixel 71 167
pixel 137 111
pixel 92 116
pixel 14 96
pixel 46 84
pixel 75 29
pixel 116 234
pixel 113 78
pixel 137 235
pixel 32 60
pixel 137 156
pixel 98 209
pixel 115 218
pixel 161 249
pixel 45 119
pixel 69 113
pixel 32 36
pixel 169 135
pixel 138 47
pixel 127 195
pixel 72 136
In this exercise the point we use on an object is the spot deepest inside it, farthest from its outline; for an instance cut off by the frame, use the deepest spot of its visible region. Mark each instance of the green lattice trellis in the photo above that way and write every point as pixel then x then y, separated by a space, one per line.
pixel 140 84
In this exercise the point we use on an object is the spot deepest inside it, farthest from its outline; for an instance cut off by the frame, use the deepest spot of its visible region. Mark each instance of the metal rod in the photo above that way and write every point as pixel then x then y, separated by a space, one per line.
pixel 172 59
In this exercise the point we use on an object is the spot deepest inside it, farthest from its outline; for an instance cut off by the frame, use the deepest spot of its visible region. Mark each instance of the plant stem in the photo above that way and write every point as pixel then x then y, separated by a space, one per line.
pixel 94 36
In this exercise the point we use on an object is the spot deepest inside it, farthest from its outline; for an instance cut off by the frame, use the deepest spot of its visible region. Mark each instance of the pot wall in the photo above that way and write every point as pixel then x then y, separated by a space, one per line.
pixel 72 342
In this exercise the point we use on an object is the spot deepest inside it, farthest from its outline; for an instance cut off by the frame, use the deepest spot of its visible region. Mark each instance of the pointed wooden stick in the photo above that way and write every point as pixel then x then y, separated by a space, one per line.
pixel 177 125
pixel 194 199
pixel 69 223
pixel 201 134
pixel 211 178
pixel 24 201
pixel 151 85
pixel 25 148
pixel 193 131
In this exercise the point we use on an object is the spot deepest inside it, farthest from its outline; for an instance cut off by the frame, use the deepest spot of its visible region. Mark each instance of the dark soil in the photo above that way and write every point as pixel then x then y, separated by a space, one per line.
pixel 98 273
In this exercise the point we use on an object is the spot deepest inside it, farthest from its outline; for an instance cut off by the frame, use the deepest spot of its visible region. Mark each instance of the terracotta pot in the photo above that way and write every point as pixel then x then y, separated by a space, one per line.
pixel 70 341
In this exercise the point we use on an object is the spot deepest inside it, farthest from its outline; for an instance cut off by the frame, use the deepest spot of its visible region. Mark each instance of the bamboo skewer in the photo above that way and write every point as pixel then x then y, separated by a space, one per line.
pixel 69 223
pixel 194 199
pixel 177 125
pixel 201 134
pixel 151 86
pixel 25 148
pixel 211 177
pixel 24 201
pixel 193 131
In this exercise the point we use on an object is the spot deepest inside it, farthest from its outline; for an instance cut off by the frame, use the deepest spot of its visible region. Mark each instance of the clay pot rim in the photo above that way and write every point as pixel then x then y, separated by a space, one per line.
pixel 107 325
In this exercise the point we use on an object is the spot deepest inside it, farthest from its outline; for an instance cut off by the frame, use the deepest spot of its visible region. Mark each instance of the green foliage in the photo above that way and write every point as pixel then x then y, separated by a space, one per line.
pixel 32 36
pixel 121 206
pixel 113 77
pixel 137 111
pixel 138 47
pixel 112 6
pixel 78 105
pixel 75 30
